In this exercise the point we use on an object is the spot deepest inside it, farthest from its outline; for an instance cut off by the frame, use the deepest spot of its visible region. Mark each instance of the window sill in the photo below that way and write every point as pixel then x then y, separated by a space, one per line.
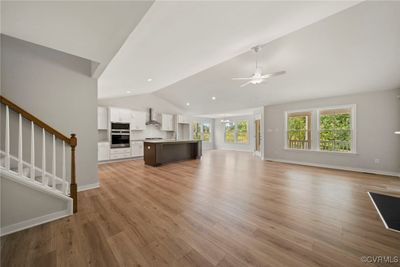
pixel 322 151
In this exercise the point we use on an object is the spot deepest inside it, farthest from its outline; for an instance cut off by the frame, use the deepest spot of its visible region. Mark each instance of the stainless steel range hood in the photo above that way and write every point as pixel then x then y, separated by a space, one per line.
pixel 151 120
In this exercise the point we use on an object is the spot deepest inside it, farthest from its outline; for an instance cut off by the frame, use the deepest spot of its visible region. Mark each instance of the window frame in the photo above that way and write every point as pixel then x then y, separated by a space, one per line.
pixel 235 141
pixel 201 127
pixel 315 128
pixel 234 132
pixel 209 134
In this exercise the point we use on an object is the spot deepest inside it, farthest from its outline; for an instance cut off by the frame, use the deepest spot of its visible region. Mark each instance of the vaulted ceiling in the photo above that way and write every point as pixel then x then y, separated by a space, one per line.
pixel 356 50
pixel 177 39
pixel 191 50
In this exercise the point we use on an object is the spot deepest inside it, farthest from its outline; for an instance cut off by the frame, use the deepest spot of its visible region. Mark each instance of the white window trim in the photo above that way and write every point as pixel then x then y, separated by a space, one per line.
pixel 235 122
pixel 315 128
pixel 202 132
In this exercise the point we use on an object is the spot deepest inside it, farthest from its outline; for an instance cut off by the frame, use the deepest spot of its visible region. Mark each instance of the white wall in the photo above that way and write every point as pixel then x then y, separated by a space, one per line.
pixel 57 88
pixel 377 117
pixel 220 134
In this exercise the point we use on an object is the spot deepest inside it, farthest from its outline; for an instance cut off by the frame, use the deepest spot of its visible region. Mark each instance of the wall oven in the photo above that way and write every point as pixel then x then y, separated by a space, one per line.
pixel 120 135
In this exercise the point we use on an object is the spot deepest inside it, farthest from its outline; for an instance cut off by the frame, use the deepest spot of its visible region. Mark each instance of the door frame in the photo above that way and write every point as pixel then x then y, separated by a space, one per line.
pixel 259 115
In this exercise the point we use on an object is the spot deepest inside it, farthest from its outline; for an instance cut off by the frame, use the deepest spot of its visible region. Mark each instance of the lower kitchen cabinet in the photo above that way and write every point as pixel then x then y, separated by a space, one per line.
pixel 137 148
pixel 120 153
pixel 103 151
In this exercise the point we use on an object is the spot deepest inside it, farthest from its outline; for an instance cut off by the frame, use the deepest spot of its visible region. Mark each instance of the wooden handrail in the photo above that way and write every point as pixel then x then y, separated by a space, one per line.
pixel 72 142
pixel 35 120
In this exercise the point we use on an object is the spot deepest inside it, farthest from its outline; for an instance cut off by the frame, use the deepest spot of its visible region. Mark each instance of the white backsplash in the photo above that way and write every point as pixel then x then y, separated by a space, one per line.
pixel 151 132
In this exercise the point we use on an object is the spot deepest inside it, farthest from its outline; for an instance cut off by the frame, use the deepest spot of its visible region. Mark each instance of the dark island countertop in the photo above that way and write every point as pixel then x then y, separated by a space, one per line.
pixel 171 141
pixel 158 152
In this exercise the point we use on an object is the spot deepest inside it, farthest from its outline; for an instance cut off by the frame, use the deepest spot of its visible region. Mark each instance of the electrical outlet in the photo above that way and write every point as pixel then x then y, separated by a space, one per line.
pixel 377 161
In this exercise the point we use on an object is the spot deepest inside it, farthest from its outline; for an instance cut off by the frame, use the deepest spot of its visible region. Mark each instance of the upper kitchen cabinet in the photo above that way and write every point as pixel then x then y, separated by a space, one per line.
pixel 183 119
pixel 102 118
pixel 120 115
pixel 167 122
pixel 138 120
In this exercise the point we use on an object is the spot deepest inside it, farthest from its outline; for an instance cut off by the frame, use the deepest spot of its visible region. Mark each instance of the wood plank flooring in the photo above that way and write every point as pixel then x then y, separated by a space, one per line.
pixel 228 209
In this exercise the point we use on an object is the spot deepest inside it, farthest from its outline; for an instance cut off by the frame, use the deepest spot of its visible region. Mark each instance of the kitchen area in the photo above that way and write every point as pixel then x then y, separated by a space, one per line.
pixel 123 134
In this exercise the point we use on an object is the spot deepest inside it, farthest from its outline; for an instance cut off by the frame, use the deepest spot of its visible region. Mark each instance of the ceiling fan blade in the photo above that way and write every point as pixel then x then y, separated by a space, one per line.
pixel 247 83
pixel 241 78
pixel 273 74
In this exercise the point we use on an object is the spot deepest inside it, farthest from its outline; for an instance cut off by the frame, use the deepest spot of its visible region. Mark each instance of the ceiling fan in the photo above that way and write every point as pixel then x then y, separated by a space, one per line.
pixel 258 76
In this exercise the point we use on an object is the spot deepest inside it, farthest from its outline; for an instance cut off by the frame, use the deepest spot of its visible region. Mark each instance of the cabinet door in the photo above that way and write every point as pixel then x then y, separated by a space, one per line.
pixel 137 149
pixel 114 114
pixel 125 115
pixel 140 120
pixel 132 120
pixel 103 152
pixel 140 149
pixel 102 119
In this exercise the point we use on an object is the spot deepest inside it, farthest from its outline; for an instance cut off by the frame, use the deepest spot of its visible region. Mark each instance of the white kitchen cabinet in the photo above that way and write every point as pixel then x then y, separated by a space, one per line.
pixel 167 122
pixel 102 118
pixel 137 120
pixel 183 119
pixel 137 149
pixel 103 151
pixel 119 114
pixel 120 153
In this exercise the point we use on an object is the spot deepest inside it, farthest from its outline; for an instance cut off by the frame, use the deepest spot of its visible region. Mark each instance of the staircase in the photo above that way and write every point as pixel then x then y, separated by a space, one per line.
pixel 53 183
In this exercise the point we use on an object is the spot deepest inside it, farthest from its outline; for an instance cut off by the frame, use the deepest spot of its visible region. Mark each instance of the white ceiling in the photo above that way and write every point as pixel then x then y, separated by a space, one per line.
pixel 356 50
pixel 178 39
pixel 94 30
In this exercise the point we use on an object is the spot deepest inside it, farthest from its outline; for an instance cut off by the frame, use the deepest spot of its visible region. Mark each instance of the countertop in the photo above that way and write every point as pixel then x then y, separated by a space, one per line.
pixel 171 141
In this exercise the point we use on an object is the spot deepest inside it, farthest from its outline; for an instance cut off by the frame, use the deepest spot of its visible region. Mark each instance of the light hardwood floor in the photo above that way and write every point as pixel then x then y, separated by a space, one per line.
pixel 229 209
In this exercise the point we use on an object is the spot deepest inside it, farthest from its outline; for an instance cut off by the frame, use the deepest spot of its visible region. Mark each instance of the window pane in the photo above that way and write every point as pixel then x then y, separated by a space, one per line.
pixel 206 132
pixel 196 131
pixel 230 133
pixel 299 130
pixel 242 132
pixel 335 130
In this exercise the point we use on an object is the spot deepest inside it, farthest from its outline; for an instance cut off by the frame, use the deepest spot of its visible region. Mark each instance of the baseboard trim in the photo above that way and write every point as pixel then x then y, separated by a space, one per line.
pixel 88 187
pixel 343 168
pixel 34 222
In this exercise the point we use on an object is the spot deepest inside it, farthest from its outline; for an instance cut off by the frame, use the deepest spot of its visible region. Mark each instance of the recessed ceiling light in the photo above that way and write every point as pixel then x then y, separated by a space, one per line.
pixel 149 79
pixel 187 104
pixel 128 92
pixel 213 98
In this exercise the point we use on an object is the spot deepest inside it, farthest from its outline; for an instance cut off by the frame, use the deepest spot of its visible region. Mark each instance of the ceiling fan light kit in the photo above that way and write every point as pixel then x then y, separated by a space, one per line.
pixel 257 77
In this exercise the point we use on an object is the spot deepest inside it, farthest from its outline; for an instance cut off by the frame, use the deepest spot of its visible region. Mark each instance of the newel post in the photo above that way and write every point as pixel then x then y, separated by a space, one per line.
pixel 73 185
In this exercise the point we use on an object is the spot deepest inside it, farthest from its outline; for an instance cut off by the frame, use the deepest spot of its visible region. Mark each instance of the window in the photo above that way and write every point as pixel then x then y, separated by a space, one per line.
pixel 201 131
pixel 237 132
pixel 196 128
pixel 299 130
pixel 206 132
pixel 242 132
pixel 335 130
pixel 230 133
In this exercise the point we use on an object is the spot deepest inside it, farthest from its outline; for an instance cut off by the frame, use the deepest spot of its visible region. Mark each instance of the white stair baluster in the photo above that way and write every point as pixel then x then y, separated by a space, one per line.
pixel 54 162
pixel 20 145
pixel 44 177
pixel 32 151
pixel 7 141
pixel 64 186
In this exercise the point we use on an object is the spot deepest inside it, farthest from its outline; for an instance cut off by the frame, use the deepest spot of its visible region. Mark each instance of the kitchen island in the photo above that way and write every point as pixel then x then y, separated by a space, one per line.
pixel 157 152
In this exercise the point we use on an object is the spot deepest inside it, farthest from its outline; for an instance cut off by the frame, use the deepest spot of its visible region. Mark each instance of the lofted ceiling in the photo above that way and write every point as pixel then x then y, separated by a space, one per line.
pixel 175 40
pixel 354 51
pixel 94 30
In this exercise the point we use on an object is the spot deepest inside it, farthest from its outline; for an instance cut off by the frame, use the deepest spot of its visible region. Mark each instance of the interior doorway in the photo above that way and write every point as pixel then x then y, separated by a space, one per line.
pixel 257 126
pixel 259 133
